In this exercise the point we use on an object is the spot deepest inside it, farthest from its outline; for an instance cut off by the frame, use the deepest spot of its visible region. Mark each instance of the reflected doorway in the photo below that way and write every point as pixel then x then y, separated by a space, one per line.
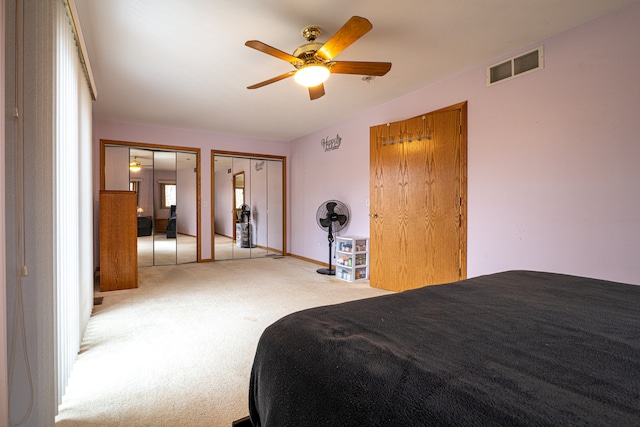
pixel 238 200
pixel 249 201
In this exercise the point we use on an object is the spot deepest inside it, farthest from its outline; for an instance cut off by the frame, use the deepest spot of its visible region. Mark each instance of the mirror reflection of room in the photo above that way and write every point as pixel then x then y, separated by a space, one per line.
pixel 140 181
pixel 248 206
pixel 165 183
pixel 186 211
pixel 238 204
pixel 164 208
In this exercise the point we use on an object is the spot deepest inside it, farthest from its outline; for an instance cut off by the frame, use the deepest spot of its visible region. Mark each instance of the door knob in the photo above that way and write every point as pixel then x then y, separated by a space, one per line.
pixel 373 215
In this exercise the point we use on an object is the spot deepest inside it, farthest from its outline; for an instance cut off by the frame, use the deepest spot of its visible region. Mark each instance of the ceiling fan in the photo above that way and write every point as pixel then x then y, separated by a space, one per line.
pixel 314 61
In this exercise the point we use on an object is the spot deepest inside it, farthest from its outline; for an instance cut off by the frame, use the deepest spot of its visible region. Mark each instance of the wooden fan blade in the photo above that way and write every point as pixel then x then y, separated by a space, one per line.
pixel 364 68
pixel 355 28
pixel 316 91
pixel 269 50
pixel 273 80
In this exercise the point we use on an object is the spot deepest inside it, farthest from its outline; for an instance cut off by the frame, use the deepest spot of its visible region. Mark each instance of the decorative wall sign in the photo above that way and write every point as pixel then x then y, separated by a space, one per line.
pixel 331 144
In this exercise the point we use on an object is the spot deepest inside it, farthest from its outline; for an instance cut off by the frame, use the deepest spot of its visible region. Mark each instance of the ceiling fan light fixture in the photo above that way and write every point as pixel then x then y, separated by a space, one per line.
pixel 135 166
pixel 315 57
pixel 312 75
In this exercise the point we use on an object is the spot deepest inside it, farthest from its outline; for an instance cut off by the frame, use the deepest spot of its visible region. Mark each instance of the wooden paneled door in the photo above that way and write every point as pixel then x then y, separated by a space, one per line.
pixel 418 200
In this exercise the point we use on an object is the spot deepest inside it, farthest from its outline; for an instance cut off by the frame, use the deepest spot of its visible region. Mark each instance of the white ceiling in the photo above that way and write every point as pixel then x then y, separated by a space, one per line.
pixel 184 63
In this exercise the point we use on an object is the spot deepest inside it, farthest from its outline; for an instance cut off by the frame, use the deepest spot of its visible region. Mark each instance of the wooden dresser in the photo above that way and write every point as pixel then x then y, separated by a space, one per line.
pixel 161 225
pixel 118 240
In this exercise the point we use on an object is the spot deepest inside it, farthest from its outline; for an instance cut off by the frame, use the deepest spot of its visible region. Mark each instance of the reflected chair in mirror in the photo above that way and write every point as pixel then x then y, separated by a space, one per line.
pixel 144 226
pixel 171 225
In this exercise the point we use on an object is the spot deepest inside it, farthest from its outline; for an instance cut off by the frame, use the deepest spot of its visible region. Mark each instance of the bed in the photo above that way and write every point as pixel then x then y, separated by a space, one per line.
pixel 512 348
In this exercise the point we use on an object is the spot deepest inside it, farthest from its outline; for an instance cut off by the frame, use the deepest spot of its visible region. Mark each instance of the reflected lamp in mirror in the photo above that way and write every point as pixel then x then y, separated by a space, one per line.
pixel 135 166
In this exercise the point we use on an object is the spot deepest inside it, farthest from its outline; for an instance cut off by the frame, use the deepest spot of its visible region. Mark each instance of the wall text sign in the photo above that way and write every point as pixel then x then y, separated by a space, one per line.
pixel 331 144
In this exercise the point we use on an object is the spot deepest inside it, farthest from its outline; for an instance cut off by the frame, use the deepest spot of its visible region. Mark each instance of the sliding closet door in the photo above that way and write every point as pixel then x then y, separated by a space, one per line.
pixel 248 207
pixel 166 183
pixel 186 208
pixel 164 203
pixel 223 207
pixel 259 208
pixel 275 215
pixel 141 181
pixel 243 213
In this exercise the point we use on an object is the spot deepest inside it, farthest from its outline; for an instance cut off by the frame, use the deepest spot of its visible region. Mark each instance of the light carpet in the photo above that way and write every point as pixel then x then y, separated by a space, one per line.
pixel 226 249
pixel 178 350
pixel 160 250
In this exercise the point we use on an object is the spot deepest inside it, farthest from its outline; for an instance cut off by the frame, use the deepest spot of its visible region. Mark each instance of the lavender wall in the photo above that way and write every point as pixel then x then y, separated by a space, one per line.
pixel 552 167
pixel 552 163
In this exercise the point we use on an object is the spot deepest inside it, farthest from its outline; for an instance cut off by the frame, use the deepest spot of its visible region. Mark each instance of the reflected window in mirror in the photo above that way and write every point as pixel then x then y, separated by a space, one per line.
pixel 135 187
pixel 168 192
pixel 239 197
pixel 238 185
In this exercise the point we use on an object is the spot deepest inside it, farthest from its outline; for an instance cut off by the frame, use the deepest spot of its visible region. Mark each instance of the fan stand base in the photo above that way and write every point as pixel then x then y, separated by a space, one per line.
pixel 330 272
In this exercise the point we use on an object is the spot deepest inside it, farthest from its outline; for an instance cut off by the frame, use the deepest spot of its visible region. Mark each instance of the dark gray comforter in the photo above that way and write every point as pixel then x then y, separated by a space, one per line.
pixel 514 348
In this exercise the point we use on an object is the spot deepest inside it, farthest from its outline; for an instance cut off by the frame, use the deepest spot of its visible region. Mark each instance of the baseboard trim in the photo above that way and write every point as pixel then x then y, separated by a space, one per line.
pixel 308 260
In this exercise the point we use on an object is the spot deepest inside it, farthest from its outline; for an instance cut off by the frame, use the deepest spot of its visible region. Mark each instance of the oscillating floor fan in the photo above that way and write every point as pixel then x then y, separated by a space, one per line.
pixel 332 216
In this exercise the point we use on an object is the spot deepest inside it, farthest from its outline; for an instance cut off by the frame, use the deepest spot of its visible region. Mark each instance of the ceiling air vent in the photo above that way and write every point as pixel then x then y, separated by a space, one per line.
pixel 516 66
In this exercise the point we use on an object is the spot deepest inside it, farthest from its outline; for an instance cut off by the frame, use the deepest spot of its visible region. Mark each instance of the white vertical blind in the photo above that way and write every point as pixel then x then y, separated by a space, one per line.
pixel 73 200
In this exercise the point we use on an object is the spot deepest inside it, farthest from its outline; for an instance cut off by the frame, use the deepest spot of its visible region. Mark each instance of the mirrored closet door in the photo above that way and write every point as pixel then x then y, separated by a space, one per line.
pixel 165 183
pixel 165 250
pixel 248 207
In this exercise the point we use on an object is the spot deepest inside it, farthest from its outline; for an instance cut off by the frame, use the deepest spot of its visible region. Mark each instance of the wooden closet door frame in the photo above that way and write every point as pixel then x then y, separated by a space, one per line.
pixel 176 148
